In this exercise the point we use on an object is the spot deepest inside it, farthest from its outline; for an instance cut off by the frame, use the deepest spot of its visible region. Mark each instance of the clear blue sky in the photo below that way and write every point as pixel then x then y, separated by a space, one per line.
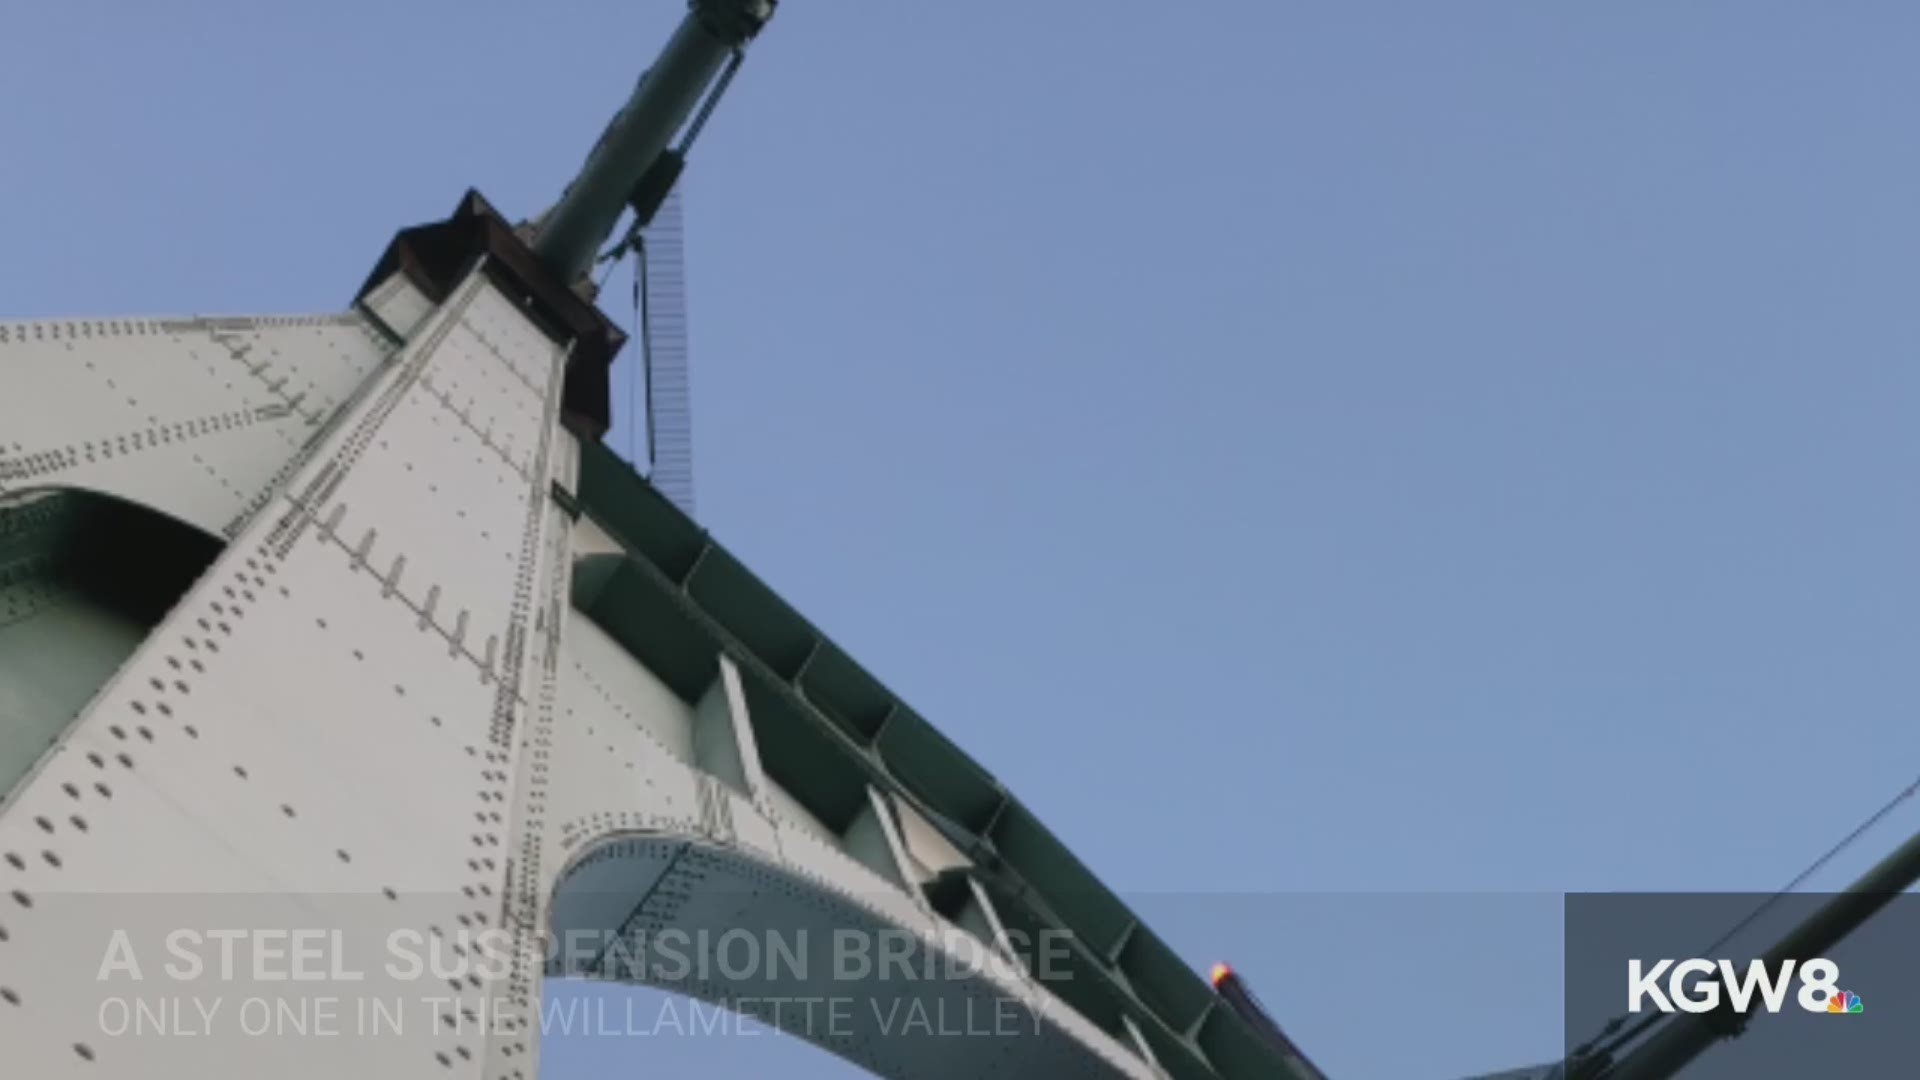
pixel 1344 449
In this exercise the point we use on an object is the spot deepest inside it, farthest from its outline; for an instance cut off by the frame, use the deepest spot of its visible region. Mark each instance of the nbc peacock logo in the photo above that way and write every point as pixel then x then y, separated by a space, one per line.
pixel 1845 1001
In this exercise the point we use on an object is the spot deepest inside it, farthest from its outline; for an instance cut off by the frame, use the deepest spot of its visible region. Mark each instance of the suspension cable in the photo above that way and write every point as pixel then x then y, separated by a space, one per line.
pixel 644 355
pixel 1845 842
pixel 643 318
pixel 1633 1033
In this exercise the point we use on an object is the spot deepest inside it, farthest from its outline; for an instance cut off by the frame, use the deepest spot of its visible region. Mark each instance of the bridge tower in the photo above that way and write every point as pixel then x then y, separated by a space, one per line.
pixel 349 688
